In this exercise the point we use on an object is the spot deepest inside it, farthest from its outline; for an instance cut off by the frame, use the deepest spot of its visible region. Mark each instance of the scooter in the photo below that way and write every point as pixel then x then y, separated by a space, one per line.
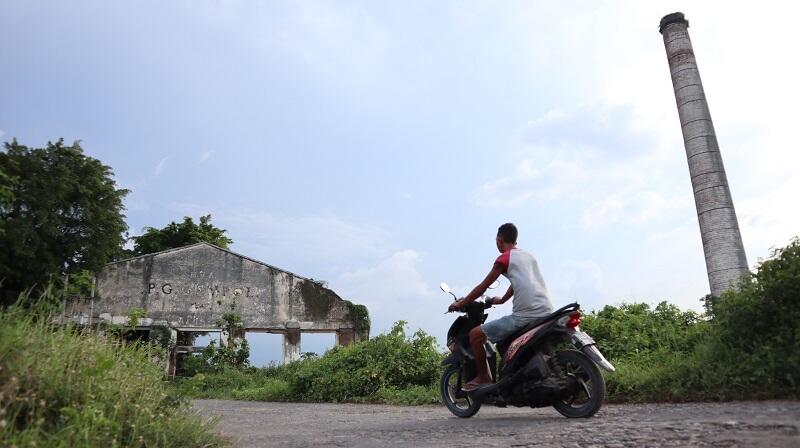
pixel 537 368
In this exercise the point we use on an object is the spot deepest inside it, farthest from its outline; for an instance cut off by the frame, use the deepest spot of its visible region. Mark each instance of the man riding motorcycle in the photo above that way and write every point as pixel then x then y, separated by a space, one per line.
pixel 531 300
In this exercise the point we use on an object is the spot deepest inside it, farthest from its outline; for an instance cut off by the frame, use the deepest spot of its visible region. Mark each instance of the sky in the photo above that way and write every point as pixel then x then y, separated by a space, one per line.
pixel 379 145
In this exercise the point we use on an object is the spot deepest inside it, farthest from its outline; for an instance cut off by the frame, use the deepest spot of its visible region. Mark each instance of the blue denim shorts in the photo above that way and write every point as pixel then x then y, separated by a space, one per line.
pixel 499 329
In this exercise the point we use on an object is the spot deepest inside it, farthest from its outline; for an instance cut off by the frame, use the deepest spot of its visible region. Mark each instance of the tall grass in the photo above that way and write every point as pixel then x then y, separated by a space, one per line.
pixel 62 387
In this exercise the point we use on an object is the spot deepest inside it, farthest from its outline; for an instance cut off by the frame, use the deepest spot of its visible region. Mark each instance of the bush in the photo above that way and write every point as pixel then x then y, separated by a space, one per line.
pixel 273 389
pixel 347 373
pixel 746 347
pixel 389 368
pixel 633 330
pixel 409 396
pixel 65 387
pixel 757 328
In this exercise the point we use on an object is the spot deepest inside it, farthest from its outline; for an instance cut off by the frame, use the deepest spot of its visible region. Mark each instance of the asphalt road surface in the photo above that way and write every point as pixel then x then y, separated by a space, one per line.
pixel 746 424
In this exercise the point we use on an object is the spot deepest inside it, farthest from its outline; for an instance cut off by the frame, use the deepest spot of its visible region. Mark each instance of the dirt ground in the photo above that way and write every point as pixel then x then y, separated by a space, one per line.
pixel 746 424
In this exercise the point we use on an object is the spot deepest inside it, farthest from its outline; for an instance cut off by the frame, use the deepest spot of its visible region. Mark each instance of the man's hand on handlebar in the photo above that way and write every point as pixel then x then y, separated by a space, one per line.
pixel 455 306
pixel 492 301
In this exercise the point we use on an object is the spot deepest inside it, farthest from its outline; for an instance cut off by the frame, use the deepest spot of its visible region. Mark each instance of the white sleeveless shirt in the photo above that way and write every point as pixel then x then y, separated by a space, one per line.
pixel 531 300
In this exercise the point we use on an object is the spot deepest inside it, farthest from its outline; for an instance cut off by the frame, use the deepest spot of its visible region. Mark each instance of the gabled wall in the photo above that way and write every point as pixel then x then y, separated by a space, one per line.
pixel 193 286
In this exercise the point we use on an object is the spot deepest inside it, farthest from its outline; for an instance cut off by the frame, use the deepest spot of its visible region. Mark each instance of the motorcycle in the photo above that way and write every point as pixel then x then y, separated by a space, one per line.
pixel 537 368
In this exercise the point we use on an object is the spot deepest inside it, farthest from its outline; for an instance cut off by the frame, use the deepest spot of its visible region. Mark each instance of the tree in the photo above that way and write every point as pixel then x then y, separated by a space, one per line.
pixel 179 235
pixel 61 213
pixel 6 195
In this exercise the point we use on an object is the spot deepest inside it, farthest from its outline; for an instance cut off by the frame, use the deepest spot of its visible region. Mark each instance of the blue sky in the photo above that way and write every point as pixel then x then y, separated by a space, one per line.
pixel 378 146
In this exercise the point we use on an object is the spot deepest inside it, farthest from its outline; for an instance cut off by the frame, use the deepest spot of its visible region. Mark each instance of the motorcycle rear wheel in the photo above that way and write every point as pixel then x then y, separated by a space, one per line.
pixel 591 387
pixel 456 401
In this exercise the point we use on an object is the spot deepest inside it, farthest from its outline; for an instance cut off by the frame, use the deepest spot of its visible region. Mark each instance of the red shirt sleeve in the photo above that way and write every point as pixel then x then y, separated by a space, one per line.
pixel 504 259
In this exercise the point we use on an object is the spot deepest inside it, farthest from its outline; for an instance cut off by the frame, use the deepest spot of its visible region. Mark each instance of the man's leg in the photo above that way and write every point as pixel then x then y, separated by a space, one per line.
pixel 476 340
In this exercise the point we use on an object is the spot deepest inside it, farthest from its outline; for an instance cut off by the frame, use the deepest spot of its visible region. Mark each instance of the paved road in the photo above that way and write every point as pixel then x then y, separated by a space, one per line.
pixel 746 424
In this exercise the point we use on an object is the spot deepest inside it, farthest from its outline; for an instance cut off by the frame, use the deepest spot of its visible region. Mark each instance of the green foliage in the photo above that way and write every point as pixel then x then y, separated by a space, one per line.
pixel 79 284
pixel 634 329
pixel 758 326
pixel 62 213
pixel 390 368
pixel 360 316
pixel 179 235
pixel 360 370
pixel 273 389
pixel 234 355
pixel 6 188
pixel 65 387
pixel 749 346
pixel 135 316
pixel 6 194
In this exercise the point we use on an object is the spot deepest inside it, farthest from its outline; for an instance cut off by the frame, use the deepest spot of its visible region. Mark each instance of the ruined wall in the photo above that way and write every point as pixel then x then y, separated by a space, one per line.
pixel 192 287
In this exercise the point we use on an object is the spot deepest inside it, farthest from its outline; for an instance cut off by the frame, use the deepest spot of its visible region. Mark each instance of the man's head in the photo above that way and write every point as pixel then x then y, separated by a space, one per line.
pixel 506 237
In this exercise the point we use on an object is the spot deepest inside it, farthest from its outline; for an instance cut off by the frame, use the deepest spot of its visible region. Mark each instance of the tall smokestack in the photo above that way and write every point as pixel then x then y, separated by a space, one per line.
pixel 726 261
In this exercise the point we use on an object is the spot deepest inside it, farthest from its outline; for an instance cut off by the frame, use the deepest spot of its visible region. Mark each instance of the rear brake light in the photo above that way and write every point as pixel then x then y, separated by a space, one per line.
pixel 574 319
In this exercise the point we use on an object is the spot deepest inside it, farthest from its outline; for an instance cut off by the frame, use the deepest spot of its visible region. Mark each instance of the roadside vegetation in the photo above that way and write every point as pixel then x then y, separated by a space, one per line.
pixel 746 345
pixel 393 368
pixel 62 387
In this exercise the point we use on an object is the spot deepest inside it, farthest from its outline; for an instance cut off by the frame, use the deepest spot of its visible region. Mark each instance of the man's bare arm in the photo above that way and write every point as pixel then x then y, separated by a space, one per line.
pixel 497 269
pixel 506 296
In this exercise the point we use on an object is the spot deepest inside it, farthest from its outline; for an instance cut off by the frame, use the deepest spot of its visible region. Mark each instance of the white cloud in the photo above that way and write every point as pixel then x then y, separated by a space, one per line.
pixel 511 190
pixel 206 155
pixel 159 168
pixel 594 159
pixel 634 207
pixel 770 219
pixel 318 245
pixel 581 281
pixel 395 289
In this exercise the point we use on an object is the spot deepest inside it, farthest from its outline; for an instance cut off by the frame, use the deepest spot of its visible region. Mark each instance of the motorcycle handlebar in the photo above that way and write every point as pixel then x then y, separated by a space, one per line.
pixel 485 304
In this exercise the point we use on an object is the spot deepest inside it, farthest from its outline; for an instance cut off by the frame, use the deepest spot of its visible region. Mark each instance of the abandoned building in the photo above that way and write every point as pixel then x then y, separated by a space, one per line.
pixel 189 289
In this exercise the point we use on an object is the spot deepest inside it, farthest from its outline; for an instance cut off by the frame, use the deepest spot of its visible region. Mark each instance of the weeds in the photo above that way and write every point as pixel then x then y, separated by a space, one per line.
pixel 63 387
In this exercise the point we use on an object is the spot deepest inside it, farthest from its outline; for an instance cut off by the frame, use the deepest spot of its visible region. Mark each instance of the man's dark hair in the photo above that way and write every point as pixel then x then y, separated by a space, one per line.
pixel 508 232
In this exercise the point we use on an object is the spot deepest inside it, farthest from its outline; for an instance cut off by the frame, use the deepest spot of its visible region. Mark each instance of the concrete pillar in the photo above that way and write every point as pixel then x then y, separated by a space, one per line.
pixel 345 336
pixel 291 345
pixel 172 355
pixel 234 340
pixel 726 261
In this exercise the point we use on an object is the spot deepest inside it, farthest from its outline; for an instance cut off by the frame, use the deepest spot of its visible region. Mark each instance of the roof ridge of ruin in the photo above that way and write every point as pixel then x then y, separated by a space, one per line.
pixel 175 249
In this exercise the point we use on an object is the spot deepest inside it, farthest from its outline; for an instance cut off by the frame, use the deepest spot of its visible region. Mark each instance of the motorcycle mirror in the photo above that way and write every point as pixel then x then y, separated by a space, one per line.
pixel 444 287
pixel 494 285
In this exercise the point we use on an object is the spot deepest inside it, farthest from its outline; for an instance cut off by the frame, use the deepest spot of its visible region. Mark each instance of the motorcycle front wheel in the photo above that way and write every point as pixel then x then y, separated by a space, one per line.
pixel 456 400
pixel 590 388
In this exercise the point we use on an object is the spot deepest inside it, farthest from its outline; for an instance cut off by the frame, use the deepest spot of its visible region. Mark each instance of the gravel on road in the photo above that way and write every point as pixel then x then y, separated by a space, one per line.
pixel 746 424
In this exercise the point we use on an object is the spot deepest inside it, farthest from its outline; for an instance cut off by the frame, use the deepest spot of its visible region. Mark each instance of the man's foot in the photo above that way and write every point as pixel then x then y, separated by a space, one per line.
pixel 475 385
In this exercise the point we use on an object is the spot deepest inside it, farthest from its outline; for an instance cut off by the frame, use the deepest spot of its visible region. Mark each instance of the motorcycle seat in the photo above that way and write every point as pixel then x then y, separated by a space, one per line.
pixel 571 308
